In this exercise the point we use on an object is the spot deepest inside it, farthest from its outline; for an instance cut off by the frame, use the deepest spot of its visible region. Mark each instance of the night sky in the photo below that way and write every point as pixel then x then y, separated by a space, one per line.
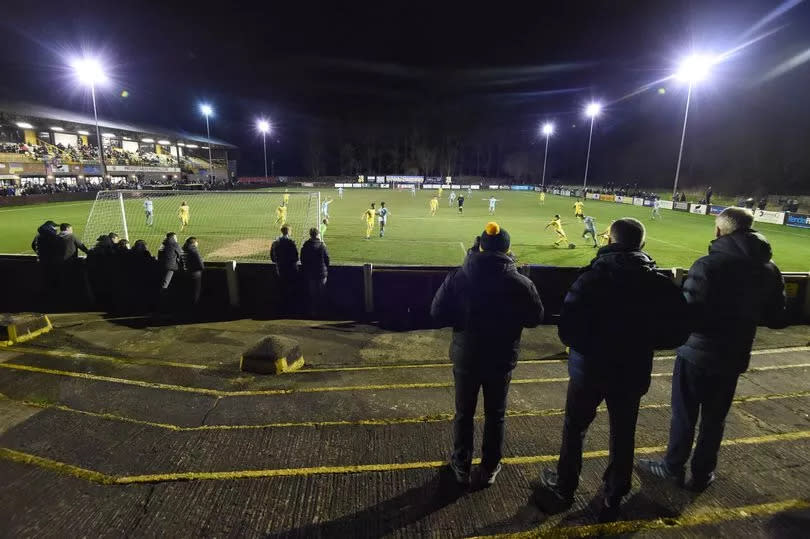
pixel 325 66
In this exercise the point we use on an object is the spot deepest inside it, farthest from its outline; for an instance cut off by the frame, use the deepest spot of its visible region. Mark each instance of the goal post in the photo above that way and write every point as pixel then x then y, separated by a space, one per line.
pixel 230 225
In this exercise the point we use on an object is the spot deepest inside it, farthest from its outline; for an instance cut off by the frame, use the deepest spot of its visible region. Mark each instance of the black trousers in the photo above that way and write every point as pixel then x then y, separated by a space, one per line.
pixel 697 393
pixel 580 410
pixel 495 387
pixel 195 282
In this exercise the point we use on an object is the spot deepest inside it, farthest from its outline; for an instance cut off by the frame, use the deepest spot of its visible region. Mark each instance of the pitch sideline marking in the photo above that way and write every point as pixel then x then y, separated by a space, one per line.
pixel 436 418
pixel 99 477
pixel 111 359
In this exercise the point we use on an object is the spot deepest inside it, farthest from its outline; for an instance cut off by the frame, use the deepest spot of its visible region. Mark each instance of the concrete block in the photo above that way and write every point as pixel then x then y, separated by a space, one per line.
pixel 272 355
pixel 16 328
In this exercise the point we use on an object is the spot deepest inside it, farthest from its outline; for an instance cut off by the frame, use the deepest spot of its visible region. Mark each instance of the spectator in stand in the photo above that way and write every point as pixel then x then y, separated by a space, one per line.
pixel 170 260
pixel 45 243
pixel 284 253
pixel 708 196
pixel 315 267
pixel 123 245
pixel 487 303
pixel 70 244
pixel 606 321
pixel 731 291
pixel 194 265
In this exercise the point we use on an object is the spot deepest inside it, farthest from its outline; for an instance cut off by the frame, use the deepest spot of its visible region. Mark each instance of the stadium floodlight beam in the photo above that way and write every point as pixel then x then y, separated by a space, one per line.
pixel 207 111
pixel 548 130
pixel 90 72
pixel 264 127
pixel 693 69
pixel 592 110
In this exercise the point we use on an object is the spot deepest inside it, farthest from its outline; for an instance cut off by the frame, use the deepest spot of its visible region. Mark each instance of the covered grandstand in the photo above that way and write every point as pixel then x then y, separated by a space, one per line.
pixel 44 149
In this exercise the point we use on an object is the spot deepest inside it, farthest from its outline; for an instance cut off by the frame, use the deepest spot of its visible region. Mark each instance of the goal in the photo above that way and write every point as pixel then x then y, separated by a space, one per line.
pixel 230 225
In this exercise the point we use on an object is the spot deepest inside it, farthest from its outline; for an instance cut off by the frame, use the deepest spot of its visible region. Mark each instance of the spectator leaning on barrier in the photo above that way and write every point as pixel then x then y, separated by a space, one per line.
pixel 70 244
pixel 284 253
pixel 730 291
pixel 315 267
pixel 194 265
pixel 170 260
pixel 607 321
pixel 45 244
pixel 487 303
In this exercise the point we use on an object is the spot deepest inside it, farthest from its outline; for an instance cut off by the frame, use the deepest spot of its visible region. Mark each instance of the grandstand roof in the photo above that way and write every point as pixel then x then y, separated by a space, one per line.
pixel 30 110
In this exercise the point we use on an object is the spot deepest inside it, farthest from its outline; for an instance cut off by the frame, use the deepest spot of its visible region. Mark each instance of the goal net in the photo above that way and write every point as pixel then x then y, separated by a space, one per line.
pixel 230 225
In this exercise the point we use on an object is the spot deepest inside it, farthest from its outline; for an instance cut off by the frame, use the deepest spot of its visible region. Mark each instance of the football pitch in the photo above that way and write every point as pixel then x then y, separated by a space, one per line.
pixel 412 236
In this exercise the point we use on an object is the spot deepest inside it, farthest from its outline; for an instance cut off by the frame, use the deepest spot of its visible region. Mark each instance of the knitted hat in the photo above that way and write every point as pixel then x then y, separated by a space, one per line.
pixel 494 238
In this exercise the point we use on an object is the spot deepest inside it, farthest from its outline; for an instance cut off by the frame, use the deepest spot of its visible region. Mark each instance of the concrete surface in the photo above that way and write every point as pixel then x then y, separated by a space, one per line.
pixel 116 427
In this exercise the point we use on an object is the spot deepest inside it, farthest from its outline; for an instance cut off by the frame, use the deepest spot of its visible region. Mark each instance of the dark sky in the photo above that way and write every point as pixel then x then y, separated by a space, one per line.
pixel 308 64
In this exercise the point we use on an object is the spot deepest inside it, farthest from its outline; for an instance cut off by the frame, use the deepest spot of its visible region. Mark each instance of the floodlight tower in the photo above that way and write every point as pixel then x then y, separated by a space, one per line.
pixel 693 69
pixel 548 130
pixel 592 110
pixel 264 127
pixel 207 111
pixel 90 73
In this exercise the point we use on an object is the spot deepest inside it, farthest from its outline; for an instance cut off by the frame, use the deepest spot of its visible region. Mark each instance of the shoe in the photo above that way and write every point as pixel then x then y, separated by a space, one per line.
pixel 658 468
pixel 551 498
pixel 488 477
pixel 699 484
pixel 462 476
pixel 610 510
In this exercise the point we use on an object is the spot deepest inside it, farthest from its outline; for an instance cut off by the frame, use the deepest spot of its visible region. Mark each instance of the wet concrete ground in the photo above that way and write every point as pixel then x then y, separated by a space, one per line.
pixel 117 427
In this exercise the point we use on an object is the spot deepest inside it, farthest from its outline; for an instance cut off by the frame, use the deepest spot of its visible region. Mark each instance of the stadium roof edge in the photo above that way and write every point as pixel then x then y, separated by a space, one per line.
pixel 22 109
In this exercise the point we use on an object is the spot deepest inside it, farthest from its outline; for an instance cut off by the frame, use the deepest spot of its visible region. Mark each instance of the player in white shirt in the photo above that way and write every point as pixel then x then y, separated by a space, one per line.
pixel 325 207
pixel 590 229
pixel 656 209
pixel 492 201
pixel 340 193
pixel 147 207
pixel 469 190
pixel 451 198
pixel 383 214
pixel 413 190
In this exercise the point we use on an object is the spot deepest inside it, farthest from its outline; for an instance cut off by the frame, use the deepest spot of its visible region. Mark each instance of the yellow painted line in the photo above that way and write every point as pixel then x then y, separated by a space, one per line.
pixel 90 475
pixel 701 517
pixel 317 389
pixel 111 359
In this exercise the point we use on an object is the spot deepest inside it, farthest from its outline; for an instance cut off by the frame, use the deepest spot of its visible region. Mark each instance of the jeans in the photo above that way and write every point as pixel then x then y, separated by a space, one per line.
pixel 495 387
pixel 580 410
pixel 196 286
pixel 167 279
pixel 696 392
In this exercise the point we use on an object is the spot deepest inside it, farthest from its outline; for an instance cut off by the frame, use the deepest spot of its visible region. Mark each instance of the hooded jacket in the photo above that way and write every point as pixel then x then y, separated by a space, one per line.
pixel 284 254
pixel 488 303
pixel 47 245
pixel 314 259
pixel 170 256
pixel 617 312
pixel 731 291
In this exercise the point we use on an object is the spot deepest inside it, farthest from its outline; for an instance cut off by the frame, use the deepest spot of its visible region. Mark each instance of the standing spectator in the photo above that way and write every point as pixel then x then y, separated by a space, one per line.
pixel 70 244
pixel 606 321
pixel 488 303
pixel 194 266
pixel 170 260
pixel 284 253
pixel 730 291
pixel 708 196
pixel 45 243
pixel 315 267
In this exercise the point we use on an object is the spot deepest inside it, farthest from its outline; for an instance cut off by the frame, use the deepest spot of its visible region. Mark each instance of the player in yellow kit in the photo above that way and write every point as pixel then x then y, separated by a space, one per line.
pixel 556 225
pixel 182 213
pixel 286 197
pixel 441 190
pixel 434 205
pixel 578 205
pixel 368 215
pixel 604 237
pixel 281 214
pixel 542 197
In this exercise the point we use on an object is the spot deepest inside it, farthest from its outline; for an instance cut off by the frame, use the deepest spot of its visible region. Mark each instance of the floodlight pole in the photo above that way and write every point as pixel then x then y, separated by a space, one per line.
pixel 683 138
pixel 545 158
pixel 98 134
pixel 588 156
pixel 210 159
pixel 264 144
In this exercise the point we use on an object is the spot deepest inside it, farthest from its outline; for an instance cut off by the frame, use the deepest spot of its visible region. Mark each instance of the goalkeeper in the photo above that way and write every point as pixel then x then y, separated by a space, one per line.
pixel 556 225
pixel 281 214
pixel 183 214
pixel 368 215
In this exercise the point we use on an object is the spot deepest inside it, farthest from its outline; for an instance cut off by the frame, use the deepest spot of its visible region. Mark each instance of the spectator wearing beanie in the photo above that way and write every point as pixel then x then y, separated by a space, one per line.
pixel 487 303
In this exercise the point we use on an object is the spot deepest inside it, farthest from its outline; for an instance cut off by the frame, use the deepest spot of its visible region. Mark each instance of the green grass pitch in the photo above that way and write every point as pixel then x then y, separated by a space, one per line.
pixel 412 236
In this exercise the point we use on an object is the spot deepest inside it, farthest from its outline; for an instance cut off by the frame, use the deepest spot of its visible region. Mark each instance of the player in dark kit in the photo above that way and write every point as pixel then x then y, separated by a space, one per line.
pixel 461 203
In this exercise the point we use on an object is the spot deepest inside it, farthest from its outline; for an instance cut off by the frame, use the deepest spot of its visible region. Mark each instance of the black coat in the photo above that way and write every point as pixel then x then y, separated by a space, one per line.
pixel 285 255
pixel 193 260
pixel 730 291
pixel 170 256
pixel 47 246
pixel 617 312
pixel 70 247
pixel 488 303
pixel 314 259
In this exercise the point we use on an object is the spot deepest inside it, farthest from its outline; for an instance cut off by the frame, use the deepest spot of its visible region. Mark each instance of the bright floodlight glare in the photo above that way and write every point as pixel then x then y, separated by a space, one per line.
pixel 548 129
pixel 148 140
pixel 89 71
pixel 206 110
pixel 56 128
pixel 164 142
pixel 694 68
pixel 24 125
pixel 264 126
pixel 83 132
pixel 593 109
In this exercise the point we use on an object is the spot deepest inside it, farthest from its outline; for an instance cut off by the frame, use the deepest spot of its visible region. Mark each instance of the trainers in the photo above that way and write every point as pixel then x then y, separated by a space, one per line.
pixel 658 468
pixel 610 510
pixel 701 483
pixel 551 498
pixel 462 476
pixel 487 476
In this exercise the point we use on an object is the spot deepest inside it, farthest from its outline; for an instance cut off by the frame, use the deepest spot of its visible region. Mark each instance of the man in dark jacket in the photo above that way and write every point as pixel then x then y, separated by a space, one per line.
pixel 170 260
pixel 284 253
pixel 488 303
pixel 605 320
pixel 315 267
pixel 193 264
pixel 46 244
pixel 69 243
pixel 730 292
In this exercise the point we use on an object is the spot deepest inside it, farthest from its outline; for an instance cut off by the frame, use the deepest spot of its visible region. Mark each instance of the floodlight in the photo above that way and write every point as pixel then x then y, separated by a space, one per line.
pixel 83 132
pixel 206 110
pixel 263 125
pixel 181 144
pixel 191 146
pixel 164 142
pixel 148 140
pixel 548 129
pixel 56 128
pixel 89 71
pixel 108 135
pixel 593 109
pixel 24 125
pixel 695 68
